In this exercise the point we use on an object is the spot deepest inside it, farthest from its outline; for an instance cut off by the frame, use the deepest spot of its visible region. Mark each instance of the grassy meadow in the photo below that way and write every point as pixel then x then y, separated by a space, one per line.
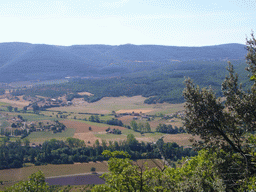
pixel 40 137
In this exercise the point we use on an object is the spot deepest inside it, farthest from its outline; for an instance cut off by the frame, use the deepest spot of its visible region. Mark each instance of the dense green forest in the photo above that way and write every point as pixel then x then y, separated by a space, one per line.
pixel 32 62
pixel 162 85
pixel 15 154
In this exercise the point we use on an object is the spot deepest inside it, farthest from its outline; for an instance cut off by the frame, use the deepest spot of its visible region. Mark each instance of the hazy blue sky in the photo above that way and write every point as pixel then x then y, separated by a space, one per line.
pixel 115 22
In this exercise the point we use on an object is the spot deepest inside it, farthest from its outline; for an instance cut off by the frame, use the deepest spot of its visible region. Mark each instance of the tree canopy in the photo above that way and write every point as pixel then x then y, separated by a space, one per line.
pixel 227 155
pixel 226 125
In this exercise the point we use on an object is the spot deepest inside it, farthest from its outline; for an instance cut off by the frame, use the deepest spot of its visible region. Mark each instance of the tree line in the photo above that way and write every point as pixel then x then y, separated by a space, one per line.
pixel 140 127
pixel 15 154
pixel 163 128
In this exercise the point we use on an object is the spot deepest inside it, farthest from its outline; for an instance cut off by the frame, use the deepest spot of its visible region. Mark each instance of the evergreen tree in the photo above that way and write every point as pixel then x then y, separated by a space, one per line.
pixel 224 126
pixel 134 125
pixel 9 108
pixel 36 183
pixel 147 127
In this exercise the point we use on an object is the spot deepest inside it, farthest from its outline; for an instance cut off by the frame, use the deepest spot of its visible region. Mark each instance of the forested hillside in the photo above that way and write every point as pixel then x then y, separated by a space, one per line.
pixel 24 61
pixel 164 84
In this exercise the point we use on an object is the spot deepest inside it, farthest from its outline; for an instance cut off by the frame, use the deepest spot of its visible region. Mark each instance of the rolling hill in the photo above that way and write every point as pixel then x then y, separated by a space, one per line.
pixel 25 61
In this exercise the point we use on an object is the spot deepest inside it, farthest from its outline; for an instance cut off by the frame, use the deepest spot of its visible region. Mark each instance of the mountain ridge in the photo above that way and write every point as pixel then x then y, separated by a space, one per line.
pixel 25 61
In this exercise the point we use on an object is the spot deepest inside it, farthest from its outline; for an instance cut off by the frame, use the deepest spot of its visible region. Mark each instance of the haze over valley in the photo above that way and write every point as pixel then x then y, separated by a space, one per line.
pixel 25 61
pixel 127 95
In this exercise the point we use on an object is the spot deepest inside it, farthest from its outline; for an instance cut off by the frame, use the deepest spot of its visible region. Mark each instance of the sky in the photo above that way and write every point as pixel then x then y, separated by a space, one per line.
pixel 116 22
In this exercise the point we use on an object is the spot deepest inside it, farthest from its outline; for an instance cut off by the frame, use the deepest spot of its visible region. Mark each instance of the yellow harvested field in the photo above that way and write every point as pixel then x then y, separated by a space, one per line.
pixel 85 93
pixel 83 127
pixel 119 104
pixel 88 138
pixel 20 103
pixel 105 105
pixel 134 110
pixel 175 122
pixel 148 139
pixel 180 139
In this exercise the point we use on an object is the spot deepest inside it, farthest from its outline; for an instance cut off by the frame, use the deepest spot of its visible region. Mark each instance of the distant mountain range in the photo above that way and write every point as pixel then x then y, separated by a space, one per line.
pixel 25 61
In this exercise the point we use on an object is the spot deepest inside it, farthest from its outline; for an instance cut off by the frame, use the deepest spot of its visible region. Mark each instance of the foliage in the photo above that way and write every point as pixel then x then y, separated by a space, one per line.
pixel 11 155
pixel 162 85
pixel 36 183
pixel 226 125
pixel 74 142
pixel 114 131
pixel 35 107
pixel 9 108
pixel 94 118
pixel 134 125
pixel 141 127
pixel 163 128
pixel 197 174
pixel 93 169
pixel 2 91
pixel 114 122
pixel 123 176
pixel 251 56
pixel 15 154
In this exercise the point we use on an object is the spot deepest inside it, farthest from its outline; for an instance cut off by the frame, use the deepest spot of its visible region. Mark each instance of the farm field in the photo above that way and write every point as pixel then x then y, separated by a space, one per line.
pixel 3 104
pixel 73 117
pixel 119 105
pixel 40 137
pixel 30 116
pixel 180 139
pixel 89 137
pixel 34 117
pixel 98 133
pixel 78 128
pixel 11 176
pixel 14 103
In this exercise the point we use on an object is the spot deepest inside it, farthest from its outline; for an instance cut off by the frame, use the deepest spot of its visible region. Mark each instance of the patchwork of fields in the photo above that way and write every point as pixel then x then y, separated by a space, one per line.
pixel 78 126
pixel 79 110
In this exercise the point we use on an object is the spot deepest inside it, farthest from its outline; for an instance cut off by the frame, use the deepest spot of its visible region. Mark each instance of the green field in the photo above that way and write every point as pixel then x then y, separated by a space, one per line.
pixel 2 104
pixel 35 117
pixel 32 116
pixel 39 137
pixel 4 124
